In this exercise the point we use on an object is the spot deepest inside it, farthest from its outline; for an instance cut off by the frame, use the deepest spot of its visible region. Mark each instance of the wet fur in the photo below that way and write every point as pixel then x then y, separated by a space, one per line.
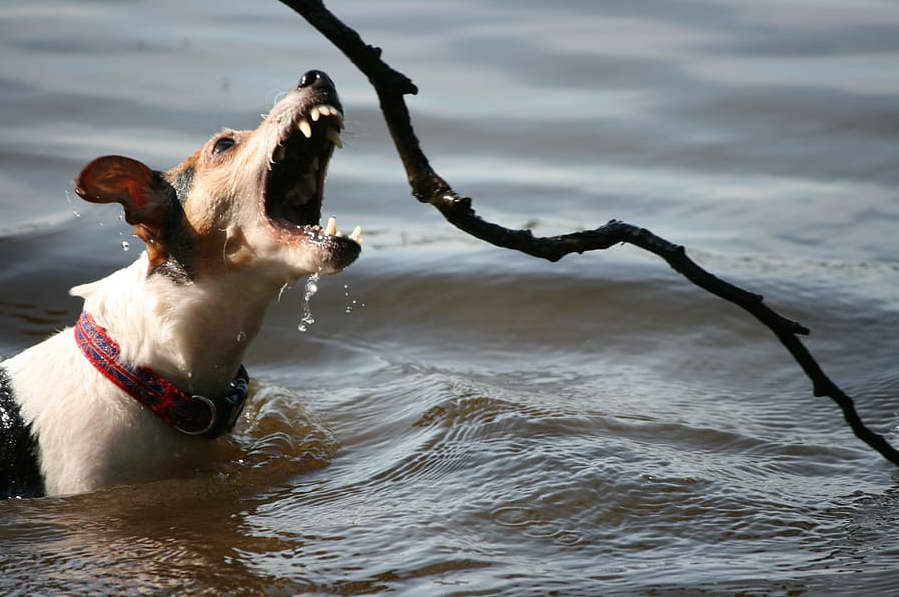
pixel 187 308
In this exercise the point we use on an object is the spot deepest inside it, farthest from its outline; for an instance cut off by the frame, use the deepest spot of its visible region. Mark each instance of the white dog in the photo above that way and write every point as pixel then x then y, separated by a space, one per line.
pixel 152 370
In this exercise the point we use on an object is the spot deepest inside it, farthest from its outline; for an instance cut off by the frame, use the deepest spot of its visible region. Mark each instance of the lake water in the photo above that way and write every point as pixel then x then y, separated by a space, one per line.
pixel 464 420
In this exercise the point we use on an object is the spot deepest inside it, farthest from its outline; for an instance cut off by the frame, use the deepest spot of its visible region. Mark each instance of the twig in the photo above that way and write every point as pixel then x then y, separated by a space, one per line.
pixel 428 187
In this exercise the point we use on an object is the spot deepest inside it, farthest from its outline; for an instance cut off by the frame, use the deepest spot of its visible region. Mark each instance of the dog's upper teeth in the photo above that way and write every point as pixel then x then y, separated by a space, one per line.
pixel 326 110
pixel 356 234
pixel 334 137
pixel 331 228
pixel 306 128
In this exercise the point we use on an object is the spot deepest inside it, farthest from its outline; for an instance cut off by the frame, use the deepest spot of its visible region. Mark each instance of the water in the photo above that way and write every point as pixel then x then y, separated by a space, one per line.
pixel 309 290
pixel 489 423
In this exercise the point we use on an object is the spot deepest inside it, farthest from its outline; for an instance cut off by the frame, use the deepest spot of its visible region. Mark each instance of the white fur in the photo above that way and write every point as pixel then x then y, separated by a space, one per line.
pixel 90 433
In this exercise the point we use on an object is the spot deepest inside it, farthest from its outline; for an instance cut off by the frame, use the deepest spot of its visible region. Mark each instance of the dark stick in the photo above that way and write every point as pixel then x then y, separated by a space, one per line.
pixel 429 187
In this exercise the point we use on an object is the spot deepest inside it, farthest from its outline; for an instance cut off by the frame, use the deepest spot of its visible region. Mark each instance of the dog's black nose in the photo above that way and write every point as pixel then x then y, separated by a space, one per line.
pixel 315 79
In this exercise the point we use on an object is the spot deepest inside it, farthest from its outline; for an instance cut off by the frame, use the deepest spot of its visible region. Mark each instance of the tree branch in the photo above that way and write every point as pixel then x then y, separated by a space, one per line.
pixel 428 187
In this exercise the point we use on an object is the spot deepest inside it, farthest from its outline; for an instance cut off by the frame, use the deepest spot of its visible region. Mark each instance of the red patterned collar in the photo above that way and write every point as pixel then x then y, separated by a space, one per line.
pixel 190 414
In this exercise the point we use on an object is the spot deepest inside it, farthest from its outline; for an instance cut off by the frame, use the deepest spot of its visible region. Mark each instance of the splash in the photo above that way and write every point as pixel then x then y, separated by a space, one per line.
pixel 311 288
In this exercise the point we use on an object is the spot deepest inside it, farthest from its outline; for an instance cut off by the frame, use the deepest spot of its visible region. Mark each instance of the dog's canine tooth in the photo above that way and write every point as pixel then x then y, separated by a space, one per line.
pixel 356 234
pixel 324 109
pixel 314 114
pixel 306 128
pixel 334 137
pixel 332 226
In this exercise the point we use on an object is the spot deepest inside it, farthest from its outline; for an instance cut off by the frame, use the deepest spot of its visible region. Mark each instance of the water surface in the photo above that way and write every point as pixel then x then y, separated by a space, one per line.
pixel 462 420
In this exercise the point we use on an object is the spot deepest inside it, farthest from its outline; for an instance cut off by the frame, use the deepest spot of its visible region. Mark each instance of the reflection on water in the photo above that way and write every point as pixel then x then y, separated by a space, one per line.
pixel 487 423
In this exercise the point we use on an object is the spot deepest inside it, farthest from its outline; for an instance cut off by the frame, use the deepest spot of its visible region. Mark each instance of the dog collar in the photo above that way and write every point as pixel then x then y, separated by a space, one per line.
pixel 188 413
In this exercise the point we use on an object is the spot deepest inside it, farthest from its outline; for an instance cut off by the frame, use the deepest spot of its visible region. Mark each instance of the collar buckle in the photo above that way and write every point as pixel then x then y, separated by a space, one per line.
pixel 213 411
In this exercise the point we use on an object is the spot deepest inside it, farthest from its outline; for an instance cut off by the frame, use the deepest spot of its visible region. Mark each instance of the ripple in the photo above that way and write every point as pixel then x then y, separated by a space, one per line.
pixel 514 516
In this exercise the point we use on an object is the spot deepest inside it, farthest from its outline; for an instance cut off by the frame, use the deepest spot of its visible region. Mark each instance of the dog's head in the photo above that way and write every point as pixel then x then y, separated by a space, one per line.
pixel 244 199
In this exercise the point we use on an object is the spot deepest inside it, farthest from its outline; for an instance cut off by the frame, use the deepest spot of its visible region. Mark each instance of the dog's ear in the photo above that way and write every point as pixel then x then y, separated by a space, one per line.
pixel 145 195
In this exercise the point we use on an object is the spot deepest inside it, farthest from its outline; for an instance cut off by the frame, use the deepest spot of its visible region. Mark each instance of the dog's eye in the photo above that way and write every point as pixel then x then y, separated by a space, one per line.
pixel 223 144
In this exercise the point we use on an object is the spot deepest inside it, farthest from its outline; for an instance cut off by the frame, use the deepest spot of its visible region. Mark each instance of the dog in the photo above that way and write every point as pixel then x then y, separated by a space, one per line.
pixel 151 372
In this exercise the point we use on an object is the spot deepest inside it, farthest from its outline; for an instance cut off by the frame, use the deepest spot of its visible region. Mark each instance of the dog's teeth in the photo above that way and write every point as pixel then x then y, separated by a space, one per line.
pixel 334 137
pixel 332 226
pixel 307 130
pixel 356 234
pixel 331 110
pixel 314 114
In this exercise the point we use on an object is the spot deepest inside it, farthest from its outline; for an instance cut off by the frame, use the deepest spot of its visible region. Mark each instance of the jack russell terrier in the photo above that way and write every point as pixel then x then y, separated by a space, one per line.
pixel 152 370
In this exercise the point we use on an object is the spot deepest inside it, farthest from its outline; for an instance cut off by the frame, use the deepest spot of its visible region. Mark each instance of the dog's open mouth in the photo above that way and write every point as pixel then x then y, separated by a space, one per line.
pixel 294 183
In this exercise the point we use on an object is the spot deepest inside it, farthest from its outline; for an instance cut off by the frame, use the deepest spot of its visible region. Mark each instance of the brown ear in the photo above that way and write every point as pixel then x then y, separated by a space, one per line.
pixel 145 196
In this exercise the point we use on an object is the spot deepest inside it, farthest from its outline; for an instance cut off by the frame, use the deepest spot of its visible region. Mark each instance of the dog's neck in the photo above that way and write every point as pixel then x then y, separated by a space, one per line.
pixel 193 333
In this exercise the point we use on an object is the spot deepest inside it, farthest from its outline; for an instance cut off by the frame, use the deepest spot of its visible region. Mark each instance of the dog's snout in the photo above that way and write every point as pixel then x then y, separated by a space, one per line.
pixel 315 79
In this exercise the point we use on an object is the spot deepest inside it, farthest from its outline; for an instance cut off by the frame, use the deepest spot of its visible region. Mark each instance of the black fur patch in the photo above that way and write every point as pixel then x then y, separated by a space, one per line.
pixel 20 473
pixel 177 238
pixel 174 271
pixel 182 182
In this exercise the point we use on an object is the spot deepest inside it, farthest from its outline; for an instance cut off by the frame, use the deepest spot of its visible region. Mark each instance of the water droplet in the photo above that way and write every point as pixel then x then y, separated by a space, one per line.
pixel 311 288
pixel 350 306
pixel 125 245
pixel 283 288
pixel 241 336
pixel 75 212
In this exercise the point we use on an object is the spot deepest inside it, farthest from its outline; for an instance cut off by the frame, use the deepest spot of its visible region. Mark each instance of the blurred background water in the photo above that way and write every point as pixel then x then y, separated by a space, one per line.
pixel 463 420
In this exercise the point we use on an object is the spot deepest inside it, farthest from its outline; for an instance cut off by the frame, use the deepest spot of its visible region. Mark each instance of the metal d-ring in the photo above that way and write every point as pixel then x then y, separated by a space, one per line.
pixel 212 411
